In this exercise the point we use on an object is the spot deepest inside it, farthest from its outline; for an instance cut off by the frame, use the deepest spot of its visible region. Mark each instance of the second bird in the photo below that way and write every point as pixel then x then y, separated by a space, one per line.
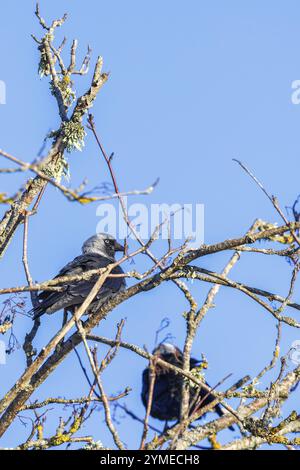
pixel 166 400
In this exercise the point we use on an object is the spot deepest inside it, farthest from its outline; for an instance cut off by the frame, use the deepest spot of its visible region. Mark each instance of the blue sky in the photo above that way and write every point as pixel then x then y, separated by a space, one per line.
pixel 193 85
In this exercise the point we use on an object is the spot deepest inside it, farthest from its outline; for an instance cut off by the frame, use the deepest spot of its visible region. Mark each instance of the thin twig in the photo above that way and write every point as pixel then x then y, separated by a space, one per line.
pixel 152 377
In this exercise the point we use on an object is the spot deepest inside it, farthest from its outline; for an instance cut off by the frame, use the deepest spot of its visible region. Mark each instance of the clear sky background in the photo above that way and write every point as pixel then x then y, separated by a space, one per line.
pixel 193 84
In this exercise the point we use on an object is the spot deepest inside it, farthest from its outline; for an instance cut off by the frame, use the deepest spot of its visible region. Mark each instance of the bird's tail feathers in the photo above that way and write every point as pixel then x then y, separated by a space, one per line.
pixel 36 312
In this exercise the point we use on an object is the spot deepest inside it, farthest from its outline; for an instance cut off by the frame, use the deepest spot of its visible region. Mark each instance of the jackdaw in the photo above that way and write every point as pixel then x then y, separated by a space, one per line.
pixel 167 387
pixel 97 252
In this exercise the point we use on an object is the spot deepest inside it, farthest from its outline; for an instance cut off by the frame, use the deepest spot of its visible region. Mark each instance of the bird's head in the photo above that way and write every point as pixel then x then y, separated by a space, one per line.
pixel 168 352
pixel 165 348
pixel 102 244
pixel 172 354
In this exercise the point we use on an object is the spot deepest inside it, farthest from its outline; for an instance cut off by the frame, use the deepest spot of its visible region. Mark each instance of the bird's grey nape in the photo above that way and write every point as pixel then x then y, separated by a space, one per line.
pixel 165 348
pixel 98 244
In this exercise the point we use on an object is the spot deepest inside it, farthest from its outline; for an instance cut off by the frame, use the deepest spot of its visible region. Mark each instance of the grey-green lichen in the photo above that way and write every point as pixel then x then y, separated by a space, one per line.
pixel 95 445
pixel 65 85
pixel 73 135
pixel 197 372
pixel 58 169
pixel 44 67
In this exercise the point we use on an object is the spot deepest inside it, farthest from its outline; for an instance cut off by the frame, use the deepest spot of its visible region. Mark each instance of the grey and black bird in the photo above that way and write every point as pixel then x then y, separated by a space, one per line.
pixel 97 252
pixel 168 385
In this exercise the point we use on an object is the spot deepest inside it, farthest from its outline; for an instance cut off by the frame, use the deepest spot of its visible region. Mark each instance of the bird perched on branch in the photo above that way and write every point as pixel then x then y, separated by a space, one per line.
pixel 166 398
pixel 97 252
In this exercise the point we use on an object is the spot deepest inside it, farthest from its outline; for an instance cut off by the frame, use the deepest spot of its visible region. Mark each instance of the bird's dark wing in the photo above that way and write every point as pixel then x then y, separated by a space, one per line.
pixel 84 263
pixel 166 400
pixel 109 288
pixel 74 293
pixel 194 362
pixel 205 398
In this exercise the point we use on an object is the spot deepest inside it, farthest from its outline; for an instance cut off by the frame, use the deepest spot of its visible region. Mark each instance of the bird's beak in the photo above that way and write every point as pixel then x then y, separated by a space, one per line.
pixel 119 247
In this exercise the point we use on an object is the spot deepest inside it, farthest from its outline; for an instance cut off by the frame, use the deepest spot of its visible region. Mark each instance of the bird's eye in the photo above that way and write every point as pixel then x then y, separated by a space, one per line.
pixel 107 242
